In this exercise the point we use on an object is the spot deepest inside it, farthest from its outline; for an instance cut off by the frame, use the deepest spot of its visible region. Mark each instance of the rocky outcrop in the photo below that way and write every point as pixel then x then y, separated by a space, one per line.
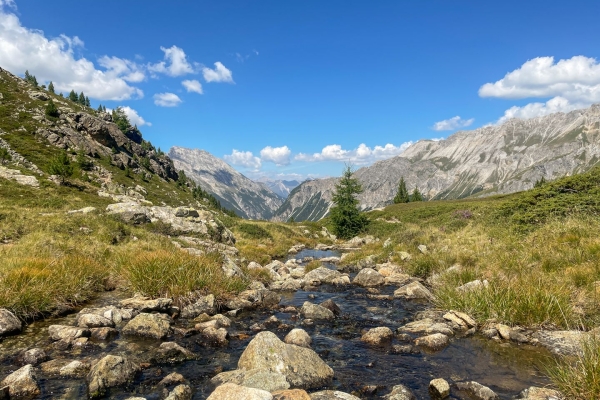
pixel 494 159
pixel 235 192
pixel 16 175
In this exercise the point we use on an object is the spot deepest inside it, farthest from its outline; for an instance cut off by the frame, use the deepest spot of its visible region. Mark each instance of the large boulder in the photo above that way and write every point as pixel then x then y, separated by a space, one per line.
pixel 64 332
pixel 231 391
pixel 299 337
pixel 413 290
pixel 109 372
pixel 146 304
pixel 8 322
pixel 302 367
pixel 315 311
pixel 205 304
pixel 324 275
pixel 378 336
pixel 368 277
pixel 129 212
pixel 22 383
pixel 157 326
pixel 439 389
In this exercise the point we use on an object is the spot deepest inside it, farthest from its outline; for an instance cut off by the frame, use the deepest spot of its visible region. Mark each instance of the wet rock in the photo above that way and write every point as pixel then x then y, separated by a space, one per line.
pixel 414 290
pixel 473 285
pixel 332 395
pixel 265 380
pixel 518 337
pixel 397 279
pixel 437 341
pixel 53 367
pixel 368 277
pixel 400 392
pixel 299 337
pixel 67 333
pixel 181 392
pixel 477 391
pixel 204 304
pixel 462 320
pixel 378 336
pixel 323 275
pixel 74 369
pixel 403 349
pixel 439 389
pixel 103 333
pixel 157 326
pixel 217 321
pixel 231 391
pixel 8 322
pixel 22 382
pixel 537 393
pixel 302 367
pixel 94 321
pixel 490 333
pixel 172 379
pixel 427 326
pixel 215 337
pixel 314 311
pixel 331 306
pixel 291 394
pixel 109 372
pixel 561 342
pixel 504 331
pixel 145 304
pixel 34 356
pixel 172 352
pixel 288 285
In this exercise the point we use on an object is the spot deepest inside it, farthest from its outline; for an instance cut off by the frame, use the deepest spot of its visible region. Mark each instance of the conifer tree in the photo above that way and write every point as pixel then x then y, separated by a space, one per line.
pixel 347 219
pixel 51 87
pixel 100 108
pixel 402 193
pixel 416 195
pixel 73 96
pixel 81 99
pixel 4 156
pixel 87 102
pixel 51 109
pixel 61 166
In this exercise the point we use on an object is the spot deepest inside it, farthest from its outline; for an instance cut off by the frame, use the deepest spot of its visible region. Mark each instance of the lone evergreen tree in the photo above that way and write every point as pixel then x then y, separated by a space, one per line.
pixel 402 193
pixel 61 166
pixel 120 118
pixel 87 102
pixel 31 79
pixel 100 108
pixel 347 219
pixel 51 109
pixel 51 87
pixel 81 99
pixel 416 195
pixel 73 96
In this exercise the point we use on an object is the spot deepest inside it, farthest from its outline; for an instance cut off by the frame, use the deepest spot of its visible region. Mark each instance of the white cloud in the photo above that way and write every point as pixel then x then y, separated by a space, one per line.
pixel 8 3
pixel 175 64
pixel 134 117
pixel 362 155
pixel 54 60
pixel 278 155
pixel 219 74
pixel 167 100
pixel 128 70
pixel 532 110
pixel 243 159
pixel 452 124
pixel 193 86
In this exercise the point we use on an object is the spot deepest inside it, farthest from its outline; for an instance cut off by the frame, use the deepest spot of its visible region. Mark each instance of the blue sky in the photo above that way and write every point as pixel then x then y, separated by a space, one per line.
pixel 283 89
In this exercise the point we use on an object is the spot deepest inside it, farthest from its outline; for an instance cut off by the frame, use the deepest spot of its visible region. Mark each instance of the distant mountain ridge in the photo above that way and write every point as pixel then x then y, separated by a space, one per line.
pixel 281 187
pixel 235 191
pixel 494 159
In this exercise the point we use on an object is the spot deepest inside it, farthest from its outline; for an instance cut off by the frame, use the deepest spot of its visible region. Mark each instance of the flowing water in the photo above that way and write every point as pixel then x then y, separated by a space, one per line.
pixel 368 372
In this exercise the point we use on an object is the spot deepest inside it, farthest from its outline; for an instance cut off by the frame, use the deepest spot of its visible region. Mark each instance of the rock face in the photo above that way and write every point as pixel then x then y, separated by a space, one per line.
pixel 245 197
pixel 109 372
pixel 495 159
pixel 8 322
pixel 301 367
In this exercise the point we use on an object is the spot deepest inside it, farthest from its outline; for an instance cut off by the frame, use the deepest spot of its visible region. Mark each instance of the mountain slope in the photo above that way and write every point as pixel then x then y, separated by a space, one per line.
pixel 493 159
pixel 281 188
pixel 245 197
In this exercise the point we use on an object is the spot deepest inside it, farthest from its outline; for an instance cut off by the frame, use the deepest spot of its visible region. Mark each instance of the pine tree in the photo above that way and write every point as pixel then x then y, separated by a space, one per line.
pixel 73 96
pixel 51 87
pixel 4 156
pixel 100 108
pixel 347 219
pixel 416 195
pixel 81 99
pixel 51 109
pixel 402 193
pixel 87 102
pixel 61 166
pixel 120 118
pixel 103 108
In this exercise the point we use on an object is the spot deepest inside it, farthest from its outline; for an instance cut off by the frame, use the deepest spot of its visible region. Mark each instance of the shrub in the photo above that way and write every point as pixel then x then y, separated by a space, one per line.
pixel 52 110
pixel 61 165
pixel 253 231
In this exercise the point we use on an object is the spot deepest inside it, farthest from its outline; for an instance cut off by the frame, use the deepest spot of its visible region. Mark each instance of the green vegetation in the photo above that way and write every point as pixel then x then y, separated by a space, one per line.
pixel 4 156
pixel 61 166
pixel 416 195
pixel 51 88
pixel 402 193
pixel 347 219
pixel 52 110
pixel 313 265
pixel 578 377
pixel 31 79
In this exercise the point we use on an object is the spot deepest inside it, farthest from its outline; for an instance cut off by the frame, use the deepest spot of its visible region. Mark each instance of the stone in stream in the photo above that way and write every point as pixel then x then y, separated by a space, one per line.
pixel 22 382
pixel 68 333
pixel 414 290
pixel 156 326
pixel 476 390
pixel 428 326
pixel 171 352
pixel 180 392
pixel 231 391
pixel 439 389
pixel 203 305
pixel 378 336
pixel 34 356
pixel 437 341
pixel 104 333
pixel 109 372
pixel 145 304
pixel 332 395
pixel 291 394
pixel 331 306
pixel 172 379
pixel 74 369
pixel 94 321
pixel 314 311
pixel 323 275
pixel 9 323
pixel 400 392
pixel 215 337
pixel 537 393
pixel 368 277
pixel 299 337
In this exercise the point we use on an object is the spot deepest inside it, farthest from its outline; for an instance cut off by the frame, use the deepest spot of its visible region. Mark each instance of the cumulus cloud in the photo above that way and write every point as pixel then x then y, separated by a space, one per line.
pixel 8 3
pixel 362 155
pixel 128 70
pixel 192 86
pixel 134 117
pixel 278 155
pixel 23 49
pixel 570 84
pixel 243 159
pixel 174 64
pixel 452 124
pixel 219 74
pixel 167 100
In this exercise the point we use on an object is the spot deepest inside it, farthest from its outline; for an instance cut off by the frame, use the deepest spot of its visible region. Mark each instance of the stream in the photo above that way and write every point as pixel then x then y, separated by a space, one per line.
pixel 367 372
